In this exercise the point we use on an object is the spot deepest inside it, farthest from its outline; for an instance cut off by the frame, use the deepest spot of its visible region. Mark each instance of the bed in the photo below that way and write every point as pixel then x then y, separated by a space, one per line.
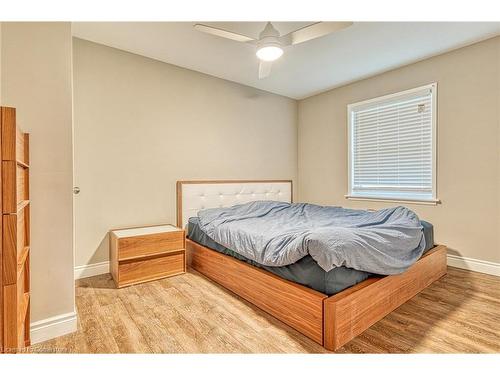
pixel 330 317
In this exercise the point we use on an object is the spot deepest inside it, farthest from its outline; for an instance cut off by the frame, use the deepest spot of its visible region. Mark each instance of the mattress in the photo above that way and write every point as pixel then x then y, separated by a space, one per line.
pixel 306 271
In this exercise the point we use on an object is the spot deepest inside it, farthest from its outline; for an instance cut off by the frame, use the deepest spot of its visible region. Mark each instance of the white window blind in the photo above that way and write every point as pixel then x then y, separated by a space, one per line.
pixel 392 146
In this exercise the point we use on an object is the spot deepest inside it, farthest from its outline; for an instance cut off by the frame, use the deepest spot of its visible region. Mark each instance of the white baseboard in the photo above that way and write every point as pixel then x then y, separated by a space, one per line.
pixel 476 265
pixel 91 270
pixel 52 327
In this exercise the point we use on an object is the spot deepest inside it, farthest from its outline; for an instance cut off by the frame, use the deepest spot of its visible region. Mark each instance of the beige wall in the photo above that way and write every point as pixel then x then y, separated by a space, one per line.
pixel 468 145
pixel 498 143
pixel 141 124
pixel 0 63
pixel 36 79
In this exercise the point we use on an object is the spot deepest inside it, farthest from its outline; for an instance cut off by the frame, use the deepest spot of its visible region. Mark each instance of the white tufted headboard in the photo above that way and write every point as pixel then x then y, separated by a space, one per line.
pixel 193 196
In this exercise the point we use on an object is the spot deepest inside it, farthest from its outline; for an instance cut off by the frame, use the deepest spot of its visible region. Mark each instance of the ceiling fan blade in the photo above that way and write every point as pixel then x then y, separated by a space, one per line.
pixel 265 69
pixel 313 31
pixel 222 33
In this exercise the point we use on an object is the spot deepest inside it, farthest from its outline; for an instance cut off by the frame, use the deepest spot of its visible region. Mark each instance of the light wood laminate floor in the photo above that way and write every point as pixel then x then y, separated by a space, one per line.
pixel 189 313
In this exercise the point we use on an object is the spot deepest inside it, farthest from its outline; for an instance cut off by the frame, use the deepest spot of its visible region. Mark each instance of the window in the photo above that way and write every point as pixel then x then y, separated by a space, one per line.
pixel 392 147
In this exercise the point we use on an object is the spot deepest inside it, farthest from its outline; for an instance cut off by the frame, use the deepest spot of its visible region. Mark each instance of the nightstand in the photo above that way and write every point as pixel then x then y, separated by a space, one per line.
pixel 146 253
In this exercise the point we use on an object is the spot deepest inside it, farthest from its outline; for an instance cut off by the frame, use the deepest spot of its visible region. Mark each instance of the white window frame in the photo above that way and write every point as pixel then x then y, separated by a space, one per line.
pixel 351 107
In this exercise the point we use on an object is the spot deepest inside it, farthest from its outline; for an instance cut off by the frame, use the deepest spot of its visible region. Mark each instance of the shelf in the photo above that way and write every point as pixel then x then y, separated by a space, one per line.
pixel 22 204
pixel 22 164
pixel 23 308
pixel 22 259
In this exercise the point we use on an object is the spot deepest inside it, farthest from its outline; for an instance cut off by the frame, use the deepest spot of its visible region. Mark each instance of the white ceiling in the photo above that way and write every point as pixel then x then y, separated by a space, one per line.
pixel 362 50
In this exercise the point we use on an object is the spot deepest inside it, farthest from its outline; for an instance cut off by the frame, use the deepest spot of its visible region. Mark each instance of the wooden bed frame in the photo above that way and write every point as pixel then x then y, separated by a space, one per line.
pixel 329 321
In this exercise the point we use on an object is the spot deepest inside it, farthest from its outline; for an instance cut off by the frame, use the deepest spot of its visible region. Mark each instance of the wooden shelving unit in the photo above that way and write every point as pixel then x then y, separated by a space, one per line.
pixel 15 231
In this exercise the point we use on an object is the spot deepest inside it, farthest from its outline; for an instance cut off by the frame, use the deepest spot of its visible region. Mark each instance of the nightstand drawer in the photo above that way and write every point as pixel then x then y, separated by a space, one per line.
pixel 140 246
pixel 136 271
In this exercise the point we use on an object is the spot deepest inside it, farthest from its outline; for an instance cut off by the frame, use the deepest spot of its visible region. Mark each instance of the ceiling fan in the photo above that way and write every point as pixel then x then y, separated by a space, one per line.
pixel 270 43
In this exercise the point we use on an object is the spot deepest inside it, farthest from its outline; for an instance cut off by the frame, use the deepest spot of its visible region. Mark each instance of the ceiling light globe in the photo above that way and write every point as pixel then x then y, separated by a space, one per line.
pixel 269 53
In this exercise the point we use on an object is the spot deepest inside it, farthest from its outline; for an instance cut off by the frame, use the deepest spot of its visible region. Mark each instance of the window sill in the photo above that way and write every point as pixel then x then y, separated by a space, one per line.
pixel 427 202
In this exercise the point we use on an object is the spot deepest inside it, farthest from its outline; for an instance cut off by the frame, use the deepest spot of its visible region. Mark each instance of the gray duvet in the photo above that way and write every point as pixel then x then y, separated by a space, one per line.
pixel 277 234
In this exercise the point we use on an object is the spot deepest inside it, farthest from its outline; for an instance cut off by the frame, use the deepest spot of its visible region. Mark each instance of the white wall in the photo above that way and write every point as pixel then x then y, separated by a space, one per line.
pixel 468 174
pixel 36 80
pixel 141 125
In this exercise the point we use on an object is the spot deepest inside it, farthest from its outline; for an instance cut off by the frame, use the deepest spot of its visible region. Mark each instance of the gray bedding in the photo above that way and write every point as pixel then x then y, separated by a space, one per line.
pixel 277 234
pixel 305 271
